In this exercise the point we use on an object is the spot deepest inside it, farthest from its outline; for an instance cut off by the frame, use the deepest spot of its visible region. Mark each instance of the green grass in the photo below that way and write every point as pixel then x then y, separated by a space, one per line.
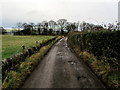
pixel 16 78
pixel 12 45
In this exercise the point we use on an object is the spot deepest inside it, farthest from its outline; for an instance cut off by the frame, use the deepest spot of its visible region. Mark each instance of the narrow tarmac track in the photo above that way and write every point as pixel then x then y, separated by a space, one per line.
pixel 62 69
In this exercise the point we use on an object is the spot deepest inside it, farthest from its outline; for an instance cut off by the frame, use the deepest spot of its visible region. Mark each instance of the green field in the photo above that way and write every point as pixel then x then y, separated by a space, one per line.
pixel 12 45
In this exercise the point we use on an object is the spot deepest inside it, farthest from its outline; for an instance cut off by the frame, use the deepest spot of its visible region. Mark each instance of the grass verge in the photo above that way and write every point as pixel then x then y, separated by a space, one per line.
pixel 15 79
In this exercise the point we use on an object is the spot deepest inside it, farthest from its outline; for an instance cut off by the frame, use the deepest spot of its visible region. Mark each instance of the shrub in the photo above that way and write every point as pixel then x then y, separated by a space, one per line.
pixel 100 50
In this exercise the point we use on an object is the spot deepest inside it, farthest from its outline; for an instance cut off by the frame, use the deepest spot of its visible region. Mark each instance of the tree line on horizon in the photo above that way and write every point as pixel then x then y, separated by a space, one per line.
pixel 45 28
pixel 59 27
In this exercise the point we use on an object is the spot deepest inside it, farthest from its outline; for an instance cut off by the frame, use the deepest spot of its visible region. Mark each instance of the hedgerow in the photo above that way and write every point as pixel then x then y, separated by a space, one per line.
pixel 105 47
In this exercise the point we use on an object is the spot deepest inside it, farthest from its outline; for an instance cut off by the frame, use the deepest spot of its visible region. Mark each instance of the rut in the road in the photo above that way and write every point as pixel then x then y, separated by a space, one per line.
pixel 62 69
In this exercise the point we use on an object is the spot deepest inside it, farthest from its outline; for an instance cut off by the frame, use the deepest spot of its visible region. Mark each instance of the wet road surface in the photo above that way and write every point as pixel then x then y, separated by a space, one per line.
pixel 62 69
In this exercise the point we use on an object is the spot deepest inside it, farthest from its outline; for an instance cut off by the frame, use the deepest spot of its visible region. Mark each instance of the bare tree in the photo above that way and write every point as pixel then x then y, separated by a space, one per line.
pixel 52 24
pixel 44 27
pixel 27 29
pixel 32 27
pixel 39 26
pixel 2 31
pixel 19 25
pixel 61 23
pixel 70 27
pixel 118 26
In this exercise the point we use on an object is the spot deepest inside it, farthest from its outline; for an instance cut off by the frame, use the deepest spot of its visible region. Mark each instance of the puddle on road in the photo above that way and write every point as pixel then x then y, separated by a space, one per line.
pixel 81 77
pixel 60 53
pixel 72 62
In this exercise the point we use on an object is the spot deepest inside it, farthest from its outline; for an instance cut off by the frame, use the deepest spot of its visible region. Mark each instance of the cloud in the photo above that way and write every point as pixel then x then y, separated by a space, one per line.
pixel 31 12
pixel 74 10
pixel 0 15
pixel 26 1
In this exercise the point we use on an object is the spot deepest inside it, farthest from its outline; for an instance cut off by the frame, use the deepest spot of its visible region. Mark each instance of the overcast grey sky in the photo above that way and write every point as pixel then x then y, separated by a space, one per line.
pixel 95 11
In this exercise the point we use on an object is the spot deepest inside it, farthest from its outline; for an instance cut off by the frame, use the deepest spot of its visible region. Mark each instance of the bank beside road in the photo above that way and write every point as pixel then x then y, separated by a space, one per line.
pixel 14 73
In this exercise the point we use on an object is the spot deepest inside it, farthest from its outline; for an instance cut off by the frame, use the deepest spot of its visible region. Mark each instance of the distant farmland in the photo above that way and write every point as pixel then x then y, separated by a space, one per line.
pixel 12 45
